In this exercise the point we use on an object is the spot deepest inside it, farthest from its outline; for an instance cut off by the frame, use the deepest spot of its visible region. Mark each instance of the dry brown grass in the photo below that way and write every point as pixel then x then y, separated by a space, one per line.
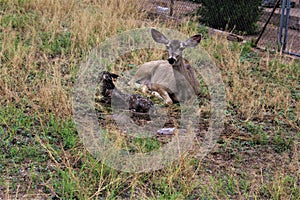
pixel 257 87
pixel 42 46
pixel 33 67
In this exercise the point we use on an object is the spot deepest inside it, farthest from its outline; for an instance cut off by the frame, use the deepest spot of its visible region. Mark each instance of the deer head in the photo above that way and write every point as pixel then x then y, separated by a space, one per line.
pixel 175 47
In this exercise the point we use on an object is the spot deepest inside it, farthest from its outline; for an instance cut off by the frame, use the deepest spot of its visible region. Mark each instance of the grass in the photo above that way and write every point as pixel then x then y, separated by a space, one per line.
pixel 42 44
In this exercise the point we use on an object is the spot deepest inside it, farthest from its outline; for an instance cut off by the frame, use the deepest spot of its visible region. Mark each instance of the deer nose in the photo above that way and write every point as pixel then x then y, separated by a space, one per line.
pixel 172 60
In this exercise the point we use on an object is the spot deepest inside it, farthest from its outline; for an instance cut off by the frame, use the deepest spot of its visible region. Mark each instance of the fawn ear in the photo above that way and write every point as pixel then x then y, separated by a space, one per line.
pixel 102 75
pixel 192 42
pixel 159 37
pixel 107 77
pixel 114 75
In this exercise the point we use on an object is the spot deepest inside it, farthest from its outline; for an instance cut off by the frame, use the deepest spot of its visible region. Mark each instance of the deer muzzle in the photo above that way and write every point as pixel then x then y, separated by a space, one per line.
pixel 172 60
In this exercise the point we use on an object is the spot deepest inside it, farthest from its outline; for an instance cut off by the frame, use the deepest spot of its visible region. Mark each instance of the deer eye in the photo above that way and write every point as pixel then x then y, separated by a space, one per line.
pixel 181 48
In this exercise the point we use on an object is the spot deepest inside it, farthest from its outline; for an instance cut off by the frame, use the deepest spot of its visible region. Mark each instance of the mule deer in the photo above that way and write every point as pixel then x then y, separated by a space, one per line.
pixel 108 90
pixel 172 77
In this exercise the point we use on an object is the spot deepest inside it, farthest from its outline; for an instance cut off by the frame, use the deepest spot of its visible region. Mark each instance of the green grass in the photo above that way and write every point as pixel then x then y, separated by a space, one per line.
pixel 41 154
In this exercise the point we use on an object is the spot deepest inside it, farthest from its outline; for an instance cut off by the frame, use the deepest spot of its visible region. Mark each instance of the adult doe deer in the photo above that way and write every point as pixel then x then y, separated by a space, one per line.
pixel 173 77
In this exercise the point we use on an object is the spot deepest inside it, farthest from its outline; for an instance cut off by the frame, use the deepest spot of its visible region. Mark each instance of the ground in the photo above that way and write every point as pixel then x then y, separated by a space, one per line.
pixel 44 44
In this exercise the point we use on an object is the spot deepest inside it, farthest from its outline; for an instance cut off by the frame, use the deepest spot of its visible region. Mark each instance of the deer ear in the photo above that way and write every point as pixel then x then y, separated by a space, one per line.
pixel 159 37
pixel 192 42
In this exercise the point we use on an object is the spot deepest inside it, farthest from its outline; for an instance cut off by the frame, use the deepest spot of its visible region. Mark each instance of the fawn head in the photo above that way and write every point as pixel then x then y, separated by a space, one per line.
pixel 175 47
pixel 106 81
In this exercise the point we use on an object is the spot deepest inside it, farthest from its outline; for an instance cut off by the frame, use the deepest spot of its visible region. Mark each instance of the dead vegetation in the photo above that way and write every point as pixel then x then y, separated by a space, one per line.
pixel 42 156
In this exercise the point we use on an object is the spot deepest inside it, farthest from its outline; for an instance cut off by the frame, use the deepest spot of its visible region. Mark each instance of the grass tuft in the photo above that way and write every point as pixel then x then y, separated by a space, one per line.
pixel 42 44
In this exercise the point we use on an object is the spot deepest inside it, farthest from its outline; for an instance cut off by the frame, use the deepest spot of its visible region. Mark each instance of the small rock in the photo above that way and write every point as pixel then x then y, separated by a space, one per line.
pixel 166 131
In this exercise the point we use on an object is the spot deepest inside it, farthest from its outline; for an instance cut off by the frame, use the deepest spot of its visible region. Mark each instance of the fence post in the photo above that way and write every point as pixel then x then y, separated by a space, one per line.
pixel 171 7
pixel 281 22
pixel 288 8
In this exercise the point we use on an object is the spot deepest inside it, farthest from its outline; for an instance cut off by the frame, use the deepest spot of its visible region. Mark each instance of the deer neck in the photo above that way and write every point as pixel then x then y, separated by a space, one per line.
pixel 187 72
pixel 180 67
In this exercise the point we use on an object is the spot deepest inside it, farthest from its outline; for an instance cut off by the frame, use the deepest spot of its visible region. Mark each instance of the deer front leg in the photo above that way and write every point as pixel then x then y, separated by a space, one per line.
pixel 166 96
pixel 145 90
pixel 147 86
pixel 158 90
pixel 162 91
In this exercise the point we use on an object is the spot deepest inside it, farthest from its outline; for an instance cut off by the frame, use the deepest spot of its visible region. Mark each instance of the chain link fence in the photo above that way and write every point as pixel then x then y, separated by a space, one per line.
pixel 278 27
pixel 280 24
pixel 170 8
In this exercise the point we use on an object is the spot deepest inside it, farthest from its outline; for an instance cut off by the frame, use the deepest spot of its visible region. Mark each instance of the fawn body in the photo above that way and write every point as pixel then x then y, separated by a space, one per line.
pixel 108 90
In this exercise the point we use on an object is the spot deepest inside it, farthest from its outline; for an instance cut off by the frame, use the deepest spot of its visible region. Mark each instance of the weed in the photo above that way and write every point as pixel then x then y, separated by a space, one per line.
pixel 281 143
pixel 42 44
pixel 57 45
pixel 259 135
